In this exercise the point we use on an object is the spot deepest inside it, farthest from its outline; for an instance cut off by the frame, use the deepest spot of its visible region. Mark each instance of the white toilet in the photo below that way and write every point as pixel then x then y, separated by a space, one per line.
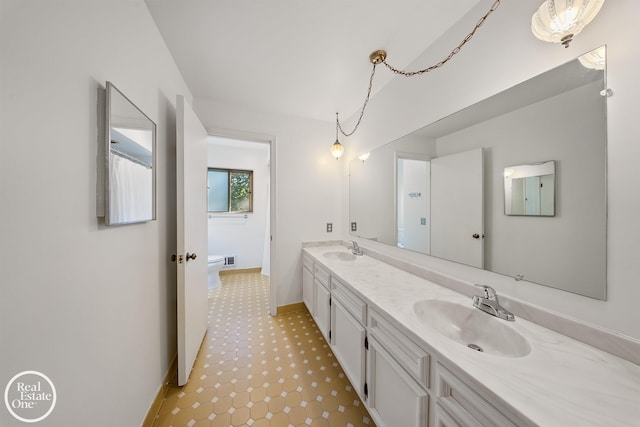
pixel 216 262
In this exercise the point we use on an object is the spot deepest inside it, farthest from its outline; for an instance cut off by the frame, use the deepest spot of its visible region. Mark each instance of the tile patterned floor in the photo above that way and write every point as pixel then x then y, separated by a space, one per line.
pixel 260 371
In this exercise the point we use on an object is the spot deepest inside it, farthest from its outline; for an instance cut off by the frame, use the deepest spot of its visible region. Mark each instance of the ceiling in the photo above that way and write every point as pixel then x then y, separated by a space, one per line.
pixel 307 58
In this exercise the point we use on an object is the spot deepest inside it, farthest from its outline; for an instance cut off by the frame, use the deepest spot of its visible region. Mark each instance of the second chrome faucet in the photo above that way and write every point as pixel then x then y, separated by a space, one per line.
pixel 355 249
pixel 489 303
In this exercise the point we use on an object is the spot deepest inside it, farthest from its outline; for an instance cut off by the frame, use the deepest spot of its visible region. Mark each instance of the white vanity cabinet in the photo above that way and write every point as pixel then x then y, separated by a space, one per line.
pixel 322 300
pixel 397 376
pixel 348 334
pixel 409 375
pixel 308 287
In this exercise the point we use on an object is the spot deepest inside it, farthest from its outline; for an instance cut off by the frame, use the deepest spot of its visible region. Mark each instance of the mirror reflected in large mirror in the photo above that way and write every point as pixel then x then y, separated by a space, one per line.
pixel 441 190
pixel 530 189
pixel 130 159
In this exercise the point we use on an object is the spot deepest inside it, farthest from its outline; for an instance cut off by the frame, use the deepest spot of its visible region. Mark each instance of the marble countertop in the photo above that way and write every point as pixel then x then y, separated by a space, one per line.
pixel 561 382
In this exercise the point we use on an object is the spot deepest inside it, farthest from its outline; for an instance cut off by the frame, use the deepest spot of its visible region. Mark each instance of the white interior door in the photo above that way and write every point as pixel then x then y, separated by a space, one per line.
pixel 191 177
pixel 457 215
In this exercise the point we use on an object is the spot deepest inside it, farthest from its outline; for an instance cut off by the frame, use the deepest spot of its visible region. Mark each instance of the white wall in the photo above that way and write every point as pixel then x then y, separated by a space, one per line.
pixel 233 234
pixel 307 193
pixel 502 54
pixel 90 306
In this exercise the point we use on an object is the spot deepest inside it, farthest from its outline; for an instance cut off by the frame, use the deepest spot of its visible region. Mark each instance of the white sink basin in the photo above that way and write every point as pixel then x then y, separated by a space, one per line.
pixel 341 255
pixel 472 328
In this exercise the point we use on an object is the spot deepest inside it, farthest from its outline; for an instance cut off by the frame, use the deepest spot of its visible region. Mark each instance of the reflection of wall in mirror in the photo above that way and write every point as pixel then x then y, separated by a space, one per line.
pixel 551 250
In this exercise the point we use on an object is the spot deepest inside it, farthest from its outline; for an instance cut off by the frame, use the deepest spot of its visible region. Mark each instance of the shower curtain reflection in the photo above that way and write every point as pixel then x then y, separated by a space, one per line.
pixel 131 192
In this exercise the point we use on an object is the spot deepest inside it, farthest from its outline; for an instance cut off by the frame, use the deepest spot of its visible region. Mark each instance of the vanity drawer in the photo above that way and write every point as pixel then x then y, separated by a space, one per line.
pixel 307 262
pixel 464 405
pixel 322 276
pixel 443 419
pixel 411 357
pixel 351 302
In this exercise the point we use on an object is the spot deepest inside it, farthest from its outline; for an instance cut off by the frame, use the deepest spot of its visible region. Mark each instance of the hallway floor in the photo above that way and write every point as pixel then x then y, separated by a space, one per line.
pixel 259 371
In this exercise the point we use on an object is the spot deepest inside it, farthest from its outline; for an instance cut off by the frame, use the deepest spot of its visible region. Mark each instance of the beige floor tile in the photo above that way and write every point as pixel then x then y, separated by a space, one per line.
pixel 203 411
pixel 221 420
pixel 259 371
pixel 259 410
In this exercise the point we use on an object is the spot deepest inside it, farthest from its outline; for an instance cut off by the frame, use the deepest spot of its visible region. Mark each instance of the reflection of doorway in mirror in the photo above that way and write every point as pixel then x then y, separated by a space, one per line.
pixel 532 195
pixel 413 182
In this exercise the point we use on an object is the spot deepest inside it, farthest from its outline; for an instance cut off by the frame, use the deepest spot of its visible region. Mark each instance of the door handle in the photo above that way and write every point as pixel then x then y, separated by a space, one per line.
pixel 191 256
pixel 476 236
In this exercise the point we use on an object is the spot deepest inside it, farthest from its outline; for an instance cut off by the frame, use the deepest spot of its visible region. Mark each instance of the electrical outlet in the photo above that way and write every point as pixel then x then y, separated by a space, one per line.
pixel 354 226
pixel 329 227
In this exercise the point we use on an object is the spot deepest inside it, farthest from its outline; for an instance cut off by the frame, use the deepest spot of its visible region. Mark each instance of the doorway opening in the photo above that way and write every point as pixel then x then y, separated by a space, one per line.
pixel 242 231
pixel 413 183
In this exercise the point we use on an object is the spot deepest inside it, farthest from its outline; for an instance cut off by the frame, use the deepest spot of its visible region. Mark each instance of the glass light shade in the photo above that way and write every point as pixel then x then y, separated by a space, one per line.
pixel 557 21
pixel 364 157
pixel 595 60
pixel 337 149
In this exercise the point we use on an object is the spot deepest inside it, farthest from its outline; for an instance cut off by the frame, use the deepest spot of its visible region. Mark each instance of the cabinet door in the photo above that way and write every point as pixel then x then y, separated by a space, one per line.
pixel 347 341
pixel 307 289
pixel 322 309
pixel 395 399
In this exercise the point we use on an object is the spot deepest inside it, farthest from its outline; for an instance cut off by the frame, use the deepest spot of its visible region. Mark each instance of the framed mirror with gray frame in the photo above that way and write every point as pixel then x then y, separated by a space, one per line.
pixel 130 161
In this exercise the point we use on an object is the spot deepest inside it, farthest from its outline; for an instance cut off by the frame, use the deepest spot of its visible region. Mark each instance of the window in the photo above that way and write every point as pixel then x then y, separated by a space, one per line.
pixel 229 190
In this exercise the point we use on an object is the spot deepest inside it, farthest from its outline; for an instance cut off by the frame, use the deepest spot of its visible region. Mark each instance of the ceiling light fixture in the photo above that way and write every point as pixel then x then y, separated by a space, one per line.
pixel 558 21
pixel 380 56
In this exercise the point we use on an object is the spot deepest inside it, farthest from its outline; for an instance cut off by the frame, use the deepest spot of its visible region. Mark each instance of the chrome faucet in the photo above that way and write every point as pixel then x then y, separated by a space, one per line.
pixel 488 302
pixel 355 249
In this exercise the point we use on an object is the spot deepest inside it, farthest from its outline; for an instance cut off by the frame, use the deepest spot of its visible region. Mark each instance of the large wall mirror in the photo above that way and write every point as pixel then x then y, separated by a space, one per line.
pixel 442 190
pixel 130 176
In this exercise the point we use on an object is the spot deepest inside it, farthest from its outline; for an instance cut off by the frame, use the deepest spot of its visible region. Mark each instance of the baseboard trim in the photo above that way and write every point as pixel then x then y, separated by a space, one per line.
pixel 290 308
pixel 169 378
pixel 240 270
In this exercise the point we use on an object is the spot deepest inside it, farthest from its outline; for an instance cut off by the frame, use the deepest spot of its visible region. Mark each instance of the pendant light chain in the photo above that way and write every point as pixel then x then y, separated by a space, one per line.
pixel 364 106
pixel 382 59
pixel 453 52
